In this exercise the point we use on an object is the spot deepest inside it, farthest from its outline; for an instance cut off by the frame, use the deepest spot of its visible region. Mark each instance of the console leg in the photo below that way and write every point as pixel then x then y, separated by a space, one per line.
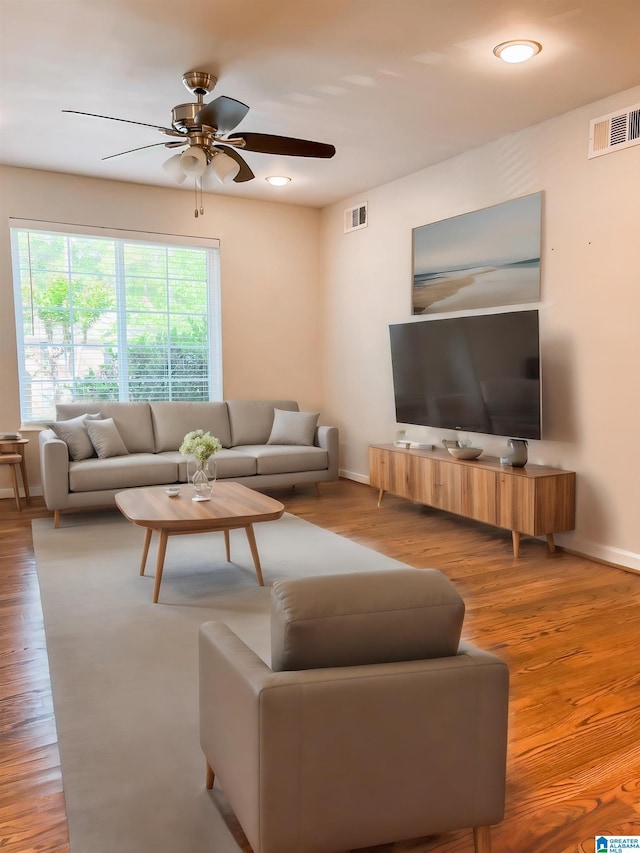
pixel 380 496
pixel 551 543
pixel 515 536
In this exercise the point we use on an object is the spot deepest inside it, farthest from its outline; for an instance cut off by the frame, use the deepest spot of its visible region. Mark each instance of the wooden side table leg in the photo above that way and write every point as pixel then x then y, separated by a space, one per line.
pixel 380 496
pixel 162 549
pixel 254 552
pixel 551 543
pixel 227 545
pixel 145 549
pixel 16 488
pixel 25 479
pixel 515 536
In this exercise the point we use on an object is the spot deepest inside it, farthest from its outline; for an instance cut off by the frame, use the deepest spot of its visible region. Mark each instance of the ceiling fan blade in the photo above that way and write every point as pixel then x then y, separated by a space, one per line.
pixel 266 143
pixel 168 130
pixel 222 113
pixel 245 173
pixel 142 147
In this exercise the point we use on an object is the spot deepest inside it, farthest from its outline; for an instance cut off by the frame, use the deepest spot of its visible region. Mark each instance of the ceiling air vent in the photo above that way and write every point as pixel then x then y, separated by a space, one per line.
pixel 614 131
pixel 356 218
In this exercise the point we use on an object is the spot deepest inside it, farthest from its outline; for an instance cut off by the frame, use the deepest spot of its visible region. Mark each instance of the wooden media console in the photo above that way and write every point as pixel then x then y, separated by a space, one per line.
pixel 534 500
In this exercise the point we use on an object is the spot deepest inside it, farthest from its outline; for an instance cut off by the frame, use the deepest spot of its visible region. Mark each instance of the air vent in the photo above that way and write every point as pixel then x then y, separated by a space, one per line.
pixel 614 131
pixel 356 218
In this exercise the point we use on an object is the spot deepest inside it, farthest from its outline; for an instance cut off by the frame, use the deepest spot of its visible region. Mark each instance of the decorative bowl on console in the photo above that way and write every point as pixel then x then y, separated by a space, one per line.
pixel 465 452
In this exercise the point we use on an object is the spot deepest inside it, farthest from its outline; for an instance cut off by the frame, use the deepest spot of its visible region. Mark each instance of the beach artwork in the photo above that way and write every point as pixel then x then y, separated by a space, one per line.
pixel 484 259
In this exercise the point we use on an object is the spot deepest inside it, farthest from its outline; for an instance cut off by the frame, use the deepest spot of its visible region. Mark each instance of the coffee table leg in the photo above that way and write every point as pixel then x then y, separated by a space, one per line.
pixel 162 548
pixel 227 545
pixel 254 552
pixel 145 549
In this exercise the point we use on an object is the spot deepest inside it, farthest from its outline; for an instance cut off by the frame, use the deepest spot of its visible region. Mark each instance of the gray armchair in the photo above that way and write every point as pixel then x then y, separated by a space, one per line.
pixel 374 724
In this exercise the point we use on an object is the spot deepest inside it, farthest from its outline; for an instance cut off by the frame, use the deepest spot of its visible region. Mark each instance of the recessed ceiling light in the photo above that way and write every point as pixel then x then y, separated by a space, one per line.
pixel 517 51
pixel 277 180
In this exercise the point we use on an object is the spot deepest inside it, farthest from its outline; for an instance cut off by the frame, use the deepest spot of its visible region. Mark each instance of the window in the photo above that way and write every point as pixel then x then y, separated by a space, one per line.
pixel 114 316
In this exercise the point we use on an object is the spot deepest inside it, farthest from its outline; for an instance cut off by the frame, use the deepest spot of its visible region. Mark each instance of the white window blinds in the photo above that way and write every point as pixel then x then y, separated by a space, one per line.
pixel 114 316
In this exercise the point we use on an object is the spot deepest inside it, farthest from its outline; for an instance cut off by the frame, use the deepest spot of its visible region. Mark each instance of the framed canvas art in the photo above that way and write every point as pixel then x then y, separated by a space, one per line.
pixel 484 259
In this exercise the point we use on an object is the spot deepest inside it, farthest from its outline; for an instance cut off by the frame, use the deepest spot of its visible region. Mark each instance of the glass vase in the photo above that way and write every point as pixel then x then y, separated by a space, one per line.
pixel 203 479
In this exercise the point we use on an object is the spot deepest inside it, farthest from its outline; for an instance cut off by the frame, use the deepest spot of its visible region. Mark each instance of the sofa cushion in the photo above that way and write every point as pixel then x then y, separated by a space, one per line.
pixel 172 421
pixel 132 419
pixel 293 427
pixel 105 438
pixel 229 463
pixel 251 420
pixel 121 472
pixel 285 459
pixel 74 433
pixel 354 619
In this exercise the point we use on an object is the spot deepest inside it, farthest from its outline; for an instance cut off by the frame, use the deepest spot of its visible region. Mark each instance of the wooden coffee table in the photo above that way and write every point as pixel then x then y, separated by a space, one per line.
pixel 231 506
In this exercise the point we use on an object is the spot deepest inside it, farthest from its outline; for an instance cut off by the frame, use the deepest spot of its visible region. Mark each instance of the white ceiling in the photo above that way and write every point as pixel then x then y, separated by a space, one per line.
pixel 395 85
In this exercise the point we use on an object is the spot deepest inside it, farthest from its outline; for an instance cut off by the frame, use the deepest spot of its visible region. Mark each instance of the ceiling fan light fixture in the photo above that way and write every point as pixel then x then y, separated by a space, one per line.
pixel 193 161
pixel 517 50
pixel 173 167
pixel 225 168
pixel 278 180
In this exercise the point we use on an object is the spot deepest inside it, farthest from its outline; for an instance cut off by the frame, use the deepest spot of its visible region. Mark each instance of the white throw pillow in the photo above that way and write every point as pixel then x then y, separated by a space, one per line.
pixel 293 427
pixel 106 439
pixel 74 433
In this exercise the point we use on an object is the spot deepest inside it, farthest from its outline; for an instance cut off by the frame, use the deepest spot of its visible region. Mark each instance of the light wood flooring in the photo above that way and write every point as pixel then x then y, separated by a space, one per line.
pixel 568 627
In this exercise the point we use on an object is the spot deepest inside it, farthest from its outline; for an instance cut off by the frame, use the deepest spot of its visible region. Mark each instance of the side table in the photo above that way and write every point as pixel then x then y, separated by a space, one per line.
pixel 18 445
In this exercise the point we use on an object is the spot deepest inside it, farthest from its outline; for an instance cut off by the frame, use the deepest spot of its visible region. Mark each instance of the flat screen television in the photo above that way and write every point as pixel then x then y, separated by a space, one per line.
pixel 478 373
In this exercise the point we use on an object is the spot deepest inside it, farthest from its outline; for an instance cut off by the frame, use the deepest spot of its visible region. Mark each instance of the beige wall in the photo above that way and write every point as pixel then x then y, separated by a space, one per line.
pixel 269 269
pixel 590 310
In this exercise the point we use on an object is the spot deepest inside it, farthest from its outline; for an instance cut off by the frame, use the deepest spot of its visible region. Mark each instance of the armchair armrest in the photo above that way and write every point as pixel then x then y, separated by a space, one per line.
pixel 236 730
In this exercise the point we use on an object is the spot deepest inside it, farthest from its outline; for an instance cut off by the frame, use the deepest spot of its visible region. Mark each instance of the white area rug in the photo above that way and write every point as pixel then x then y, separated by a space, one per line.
pixel 124 670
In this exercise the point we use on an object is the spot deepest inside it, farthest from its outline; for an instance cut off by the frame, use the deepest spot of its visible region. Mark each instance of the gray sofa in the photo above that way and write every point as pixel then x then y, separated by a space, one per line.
pixel 152 432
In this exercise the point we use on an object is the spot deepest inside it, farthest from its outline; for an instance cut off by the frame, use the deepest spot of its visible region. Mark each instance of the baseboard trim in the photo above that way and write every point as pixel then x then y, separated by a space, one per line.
pixel 607 554
pixel 353 475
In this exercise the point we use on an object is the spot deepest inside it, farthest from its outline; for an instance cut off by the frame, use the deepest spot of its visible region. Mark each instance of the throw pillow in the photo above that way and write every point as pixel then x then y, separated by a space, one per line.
pixel 106 439
pixel 293 427
pixel 74 433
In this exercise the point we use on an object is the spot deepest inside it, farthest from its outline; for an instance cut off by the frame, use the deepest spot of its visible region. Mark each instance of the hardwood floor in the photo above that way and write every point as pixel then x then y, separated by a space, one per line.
pixel 568 627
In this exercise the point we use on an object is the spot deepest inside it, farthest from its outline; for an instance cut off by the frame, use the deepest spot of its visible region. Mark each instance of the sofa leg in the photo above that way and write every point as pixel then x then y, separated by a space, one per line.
pixel 317 485
pixel 210 777
pixel 482 839
pixel 56 518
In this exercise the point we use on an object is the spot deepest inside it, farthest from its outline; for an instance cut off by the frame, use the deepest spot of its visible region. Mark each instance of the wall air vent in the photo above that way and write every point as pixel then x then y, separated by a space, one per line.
pixel 614 131
pixel 356 218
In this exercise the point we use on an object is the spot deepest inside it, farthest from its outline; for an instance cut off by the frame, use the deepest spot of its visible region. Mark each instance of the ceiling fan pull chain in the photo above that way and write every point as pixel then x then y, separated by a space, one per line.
pixel 201 205
pixel 195 192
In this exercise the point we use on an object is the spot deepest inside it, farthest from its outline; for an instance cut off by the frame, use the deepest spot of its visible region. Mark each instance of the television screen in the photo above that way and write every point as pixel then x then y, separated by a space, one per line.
pixel 476 374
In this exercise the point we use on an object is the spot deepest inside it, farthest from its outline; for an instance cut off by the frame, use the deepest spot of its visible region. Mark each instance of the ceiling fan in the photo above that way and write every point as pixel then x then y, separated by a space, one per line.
pixel 211 150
